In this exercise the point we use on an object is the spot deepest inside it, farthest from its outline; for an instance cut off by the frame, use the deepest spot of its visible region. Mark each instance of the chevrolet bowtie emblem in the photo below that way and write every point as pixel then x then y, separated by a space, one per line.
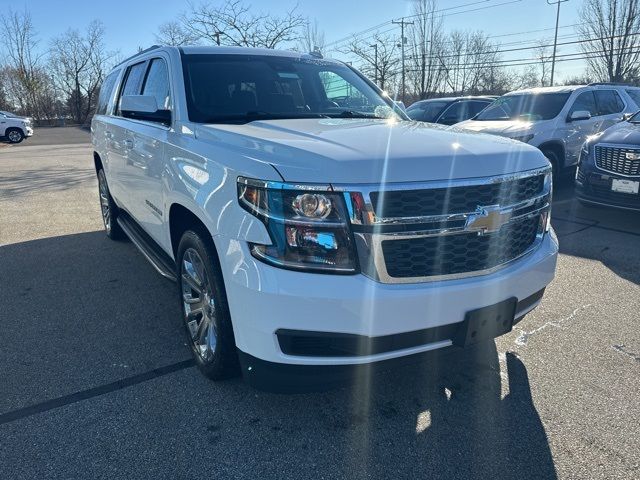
pixel 487 219
pixel 632 156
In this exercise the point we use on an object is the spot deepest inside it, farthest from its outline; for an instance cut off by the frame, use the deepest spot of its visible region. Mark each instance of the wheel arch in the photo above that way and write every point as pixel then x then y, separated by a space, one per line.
pixel 97 161
pixel 182 219
pixel 556 147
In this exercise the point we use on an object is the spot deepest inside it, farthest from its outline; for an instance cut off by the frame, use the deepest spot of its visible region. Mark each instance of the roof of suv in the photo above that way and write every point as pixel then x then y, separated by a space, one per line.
pixel 453 99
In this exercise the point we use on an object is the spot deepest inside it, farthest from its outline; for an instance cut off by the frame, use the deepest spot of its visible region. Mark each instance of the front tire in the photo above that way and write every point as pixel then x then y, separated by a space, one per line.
pixel 14 135
pixel 204 306
pixel 108 209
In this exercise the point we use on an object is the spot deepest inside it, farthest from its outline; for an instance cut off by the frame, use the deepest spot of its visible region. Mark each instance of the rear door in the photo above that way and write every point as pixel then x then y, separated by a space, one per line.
pixel 118 139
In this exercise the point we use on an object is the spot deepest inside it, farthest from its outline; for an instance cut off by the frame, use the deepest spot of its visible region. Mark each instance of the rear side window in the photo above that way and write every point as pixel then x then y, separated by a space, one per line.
pixel 106 92
pixel 455 113
pixel 635 96
pixel 157 83
pixel 585 102
pixel 608 102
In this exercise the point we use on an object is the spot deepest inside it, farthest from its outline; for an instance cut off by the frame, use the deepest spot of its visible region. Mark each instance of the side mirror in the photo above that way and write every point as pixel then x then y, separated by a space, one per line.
pixel 626 116
pixel 143 107
pixel 580 115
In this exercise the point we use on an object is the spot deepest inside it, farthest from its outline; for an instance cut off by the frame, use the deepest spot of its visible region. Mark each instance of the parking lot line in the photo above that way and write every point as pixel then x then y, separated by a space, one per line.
pixel 94 392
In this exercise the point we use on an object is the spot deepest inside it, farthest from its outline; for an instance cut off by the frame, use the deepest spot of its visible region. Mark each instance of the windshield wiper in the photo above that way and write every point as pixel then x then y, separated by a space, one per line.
pixel 353 114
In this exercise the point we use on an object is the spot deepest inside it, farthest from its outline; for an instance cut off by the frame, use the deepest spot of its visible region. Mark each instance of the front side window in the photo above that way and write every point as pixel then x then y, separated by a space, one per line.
pixel 133 81
pixel 475 107
pixel 608 102
pixel 525 106
pixel 426 111
pixel 455 113
pixel 243 88
pixel 584 102
pixel 157 83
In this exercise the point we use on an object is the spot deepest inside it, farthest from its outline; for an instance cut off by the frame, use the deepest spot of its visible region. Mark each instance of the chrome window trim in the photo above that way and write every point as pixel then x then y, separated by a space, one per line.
pixel 613 145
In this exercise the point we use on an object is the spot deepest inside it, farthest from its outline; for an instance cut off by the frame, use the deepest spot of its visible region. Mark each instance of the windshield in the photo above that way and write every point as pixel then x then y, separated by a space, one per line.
pixel 8 114
pixel 242 88
pixel 527 106
pixel 426 111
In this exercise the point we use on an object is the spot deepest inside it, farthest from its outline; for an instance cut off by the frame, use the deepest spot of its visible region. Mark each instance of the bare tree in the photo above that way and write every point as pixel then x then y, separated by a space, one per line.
pixel 426 73
pixel 377 57
pixel 312 39
pixel 610 29
pixel 26 81
pixel 235 23
pixel 79 63
pixel 468 58
pixel 175 34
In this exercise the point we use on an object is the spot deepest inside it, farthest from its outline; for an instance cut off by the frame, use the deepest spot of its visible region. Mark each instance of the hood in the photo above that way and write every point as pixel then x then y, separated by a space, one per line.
pixel 371 151
pixel 623 132
pixel 510 128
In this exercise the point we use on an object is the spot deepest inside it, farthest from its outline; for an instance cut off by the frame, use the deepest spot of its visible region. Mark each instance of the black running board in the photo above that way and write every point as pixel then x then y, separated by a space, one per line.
pixel 148 247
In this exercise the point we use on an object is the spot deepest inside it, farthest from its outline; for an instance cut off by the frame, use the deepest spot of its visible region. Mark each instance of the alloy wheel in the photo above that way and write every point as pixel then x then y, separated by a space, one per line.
pixel 14 136
pixel 198 305
pixel 105 206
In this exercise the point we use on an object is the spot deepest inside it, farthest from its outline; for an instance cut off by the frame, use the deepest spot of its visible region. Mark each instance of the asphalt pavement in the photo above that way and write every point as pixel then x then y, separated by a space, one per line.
pixel 96 380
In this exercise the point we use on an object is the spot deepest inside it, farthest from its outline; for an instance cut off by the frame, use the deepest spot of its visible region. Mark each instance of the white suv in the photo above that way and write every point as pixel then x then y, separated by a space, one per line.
pixel 14 128
pixel 557 120
pixel 310 226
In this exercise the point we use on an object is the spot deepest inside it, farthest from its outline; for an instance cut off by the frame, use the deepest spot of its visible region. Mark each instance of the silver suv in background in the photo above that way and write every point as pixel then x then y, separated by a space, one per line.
pixel 14 128
pixel 557 120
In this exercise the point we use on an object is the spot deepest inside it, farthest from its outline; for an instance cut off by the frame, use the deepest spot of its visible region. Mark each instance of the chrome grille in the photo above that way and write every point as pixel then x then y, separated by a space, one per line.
pixel 409 233
pixel 457 254
pixel 454 199
pixel 614 159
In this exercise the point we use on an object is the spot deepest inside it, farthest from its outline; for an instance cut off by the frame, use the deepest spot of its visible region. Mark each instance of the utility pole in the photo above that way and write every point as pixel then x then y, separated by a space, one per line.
pixel 555 40
pixel 375 62
pixel 217 35
pixel 402 22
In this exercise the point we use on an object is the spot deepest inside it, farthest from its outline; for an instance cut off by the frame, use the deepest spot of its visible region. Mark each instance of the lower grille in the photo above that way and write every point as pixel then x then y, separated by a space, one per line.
pixel 460 253
pixel 613 159
pixel 605 194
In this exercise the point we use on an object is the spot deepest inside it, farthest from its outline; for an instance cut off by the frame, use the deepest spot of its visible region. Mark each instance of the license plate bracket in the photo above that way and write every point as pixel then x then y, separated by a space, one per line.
pixel 625 186
pixel 486 322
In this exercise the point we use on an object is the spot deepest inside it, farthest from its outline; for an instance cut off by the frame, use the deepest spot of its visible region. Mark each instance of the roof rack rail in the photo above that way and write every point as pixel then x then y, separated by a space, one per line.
pixel 620 84
pixel 152 47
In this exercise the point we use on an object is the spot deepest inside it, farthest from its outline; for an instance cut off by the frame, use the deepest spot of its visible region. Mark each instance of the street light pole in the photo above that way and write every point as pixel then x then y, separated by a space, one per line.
pixel 375 62
pixel 555 40
pixel 402 22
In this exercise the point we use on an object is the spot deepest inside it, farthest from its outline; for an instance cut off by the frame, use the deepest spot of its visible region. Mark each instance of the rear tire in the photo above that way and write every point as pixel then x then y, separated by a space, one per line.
pixel 14 135
pixel 205 309
pixel 108 209
pixel 555 164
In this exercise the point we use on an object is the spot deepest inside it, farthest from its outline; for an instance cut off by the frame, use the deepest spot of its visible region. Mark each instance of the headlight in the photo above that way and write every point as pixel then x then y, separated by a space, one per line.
pixel 309 227
pixel 584 153
pixel 523 138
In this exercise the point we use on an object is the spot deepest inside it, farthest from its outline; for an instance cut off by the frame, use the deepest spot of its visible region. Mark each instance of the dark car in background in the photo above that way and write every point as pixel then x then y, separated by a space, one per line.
pixel 448 110
pixel 609 168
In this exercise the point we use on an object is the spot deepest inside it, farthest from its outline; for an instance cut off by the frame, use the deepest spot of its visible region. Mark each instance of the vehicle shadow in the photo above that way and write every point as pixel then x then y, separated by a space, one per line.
pixel 92 311
pixel 604 234
pixel 50 178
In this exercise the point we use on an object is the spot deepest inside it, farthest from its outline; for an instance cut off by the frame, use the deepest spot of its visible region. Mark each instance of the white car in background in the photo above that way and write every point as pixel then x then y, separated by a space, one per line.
pixel 557 120
pixel 14 127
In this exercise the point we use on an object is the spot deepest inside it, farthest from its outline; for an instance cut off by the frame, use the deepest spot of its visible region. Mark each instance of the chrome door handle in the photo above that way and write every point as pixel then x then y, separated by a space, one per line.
pixel 128 143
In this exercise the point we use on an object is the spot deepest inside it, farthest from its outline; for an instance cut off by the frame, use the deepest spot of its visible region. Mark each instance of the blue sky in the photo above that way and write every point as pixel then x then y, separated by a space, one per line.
pixel 130 24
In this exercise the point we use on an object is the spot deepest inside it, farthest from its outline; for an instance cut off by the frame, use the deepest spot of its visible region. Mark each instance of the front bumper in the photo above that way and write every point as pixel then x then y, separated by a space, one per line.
pixel 28 131
pixel 594 186
pixel 265 301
